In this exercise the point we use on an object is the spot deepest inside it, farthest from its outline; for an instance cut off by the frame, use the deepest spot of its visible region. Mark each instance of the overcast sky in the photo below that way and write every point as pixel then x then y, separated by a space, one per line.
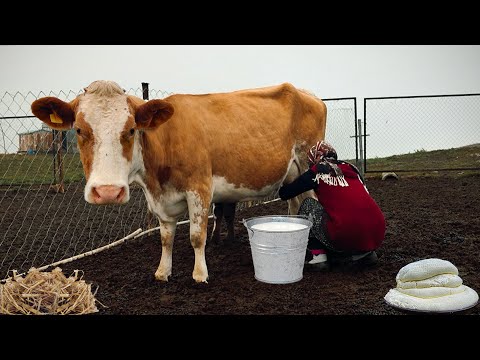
pixel 326 70
pixel 329 71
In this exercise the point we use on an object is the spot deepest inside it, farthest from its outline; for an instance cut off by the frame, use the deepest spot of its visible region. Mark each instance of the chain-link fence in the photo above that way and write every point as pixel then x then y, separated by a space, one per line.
pixel 341 129
pixel 43 214
pixel 45 218
pixel 398 126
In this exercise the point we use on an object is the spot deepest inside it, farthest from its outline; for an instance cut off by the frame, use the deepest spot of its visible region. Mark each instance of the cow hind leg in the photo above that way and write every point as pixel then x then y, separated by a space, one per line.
pixel 229 213
pixel 221 211
pixel 217 223
pixel 296 170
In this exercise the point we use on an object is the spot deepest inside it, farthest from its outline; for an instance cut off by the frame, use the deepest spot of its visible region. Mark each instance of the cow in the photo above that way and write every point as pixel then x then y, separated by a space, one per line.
pixel 189 150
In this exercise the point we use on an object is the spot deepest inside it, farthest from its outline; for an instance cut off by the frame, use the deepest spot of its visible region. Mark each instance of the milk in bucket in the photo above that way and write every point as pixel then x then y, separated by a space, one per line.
pixel 278 245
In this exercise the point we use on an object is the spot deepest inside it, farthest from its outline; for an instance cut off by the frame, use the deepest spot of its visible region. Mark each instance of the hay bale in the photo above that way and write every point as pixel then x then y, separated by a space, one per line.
pixel 46 293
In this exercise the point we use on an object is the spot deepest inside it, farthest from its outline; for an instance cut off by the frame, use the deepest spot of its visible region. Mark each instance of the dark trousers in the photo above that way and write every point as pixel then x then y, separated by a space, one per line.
pixel 318 237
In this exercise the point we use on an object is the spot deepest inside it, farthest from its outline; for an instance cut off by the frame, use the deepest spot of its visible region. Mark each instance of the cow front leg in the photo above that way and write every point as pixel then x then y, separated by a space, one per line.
pixel 167 233
pixel 198 213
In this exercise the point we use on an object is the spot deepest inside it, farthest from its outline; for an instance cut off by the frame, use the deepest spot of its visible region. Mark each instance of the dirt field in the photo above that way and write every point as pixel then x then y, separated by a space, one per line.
pixel 426 217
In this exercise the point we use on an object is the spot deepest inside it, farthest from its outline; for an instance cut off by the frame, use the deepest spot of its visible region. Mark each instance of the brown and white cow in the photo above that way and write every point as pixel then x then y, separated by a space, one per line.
pixel 188 150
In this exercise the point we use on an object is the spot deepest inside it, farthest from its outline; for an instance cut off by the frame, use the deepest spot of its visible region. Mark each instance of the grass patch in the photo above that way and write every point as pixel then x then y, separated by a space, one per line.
pixel 421 160
pixel 428 163
pixel 23 169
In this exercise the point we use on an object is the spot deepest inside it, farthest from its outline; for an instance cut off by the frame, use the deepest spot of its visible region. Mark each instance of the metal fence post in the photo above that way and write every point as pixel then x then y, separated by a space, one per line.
pixel 361 158
pixel 58 185
pixel 150 218
pixel 3 137
pixel 145 90
pixel 54 150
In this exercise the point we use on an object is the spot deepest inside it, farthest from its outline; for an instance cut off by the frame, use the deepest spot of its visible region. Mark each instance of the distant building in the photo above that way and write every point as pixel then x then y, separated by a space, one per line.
pixel 41 141
pixel 38 141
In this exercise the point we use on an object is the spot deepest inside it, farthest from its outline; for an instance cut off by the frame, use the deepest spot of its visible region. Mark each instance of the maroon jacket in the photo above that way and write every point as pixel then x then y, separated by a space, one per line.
pixel 355 222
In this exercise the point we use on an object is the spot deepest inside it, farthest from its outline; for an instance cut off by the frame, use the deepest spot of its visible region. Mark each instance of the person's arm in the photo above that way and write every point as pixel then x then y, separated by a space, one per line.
pixel 301 184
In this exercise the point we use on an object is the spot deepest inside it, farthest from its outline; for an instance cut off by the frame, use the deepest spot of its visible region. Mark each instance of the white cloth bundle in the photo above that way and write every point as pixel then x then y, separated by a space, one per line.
pixel 447 280
pixel 425 269
pixel 432 292
pixel 431 285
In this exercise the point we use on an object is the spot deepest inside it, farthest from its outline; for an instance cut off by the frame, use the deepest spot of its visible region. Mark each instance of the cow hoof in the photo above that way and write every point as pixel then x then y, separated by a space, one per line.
pixel 161 276
pixel 201 282
pixel 232 241
pixel 200 279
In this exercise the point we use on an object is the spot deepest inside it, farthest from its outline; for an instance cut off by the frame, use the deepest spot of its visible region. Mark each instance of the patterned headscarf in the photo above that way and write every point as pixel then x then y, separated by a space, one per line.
pixel 323 153
pixel 320 151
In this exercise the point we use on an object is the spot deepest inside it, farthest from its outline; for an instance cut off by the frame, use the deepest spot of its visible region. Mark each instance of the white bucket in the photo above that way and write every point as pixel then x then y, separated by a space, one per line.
pixel 278 245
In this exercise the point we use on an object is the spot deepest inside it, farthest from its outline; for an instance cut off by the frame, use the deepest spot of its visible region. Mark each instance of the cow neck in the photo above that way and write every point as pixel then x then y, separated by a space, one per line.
pixel 152 160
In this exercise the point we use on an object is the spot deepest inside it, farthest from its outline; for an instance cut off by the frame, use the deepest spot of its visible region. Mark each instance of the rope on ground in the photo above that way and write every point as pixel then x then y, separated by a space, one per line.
pixel 136 234
pixel 91 252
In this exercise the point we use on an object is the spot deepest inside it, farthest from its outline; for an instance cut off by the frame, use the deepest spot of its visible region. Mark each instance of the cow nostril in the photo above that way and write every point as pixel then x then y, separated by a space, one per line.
pixel 95 193
pixel 121 194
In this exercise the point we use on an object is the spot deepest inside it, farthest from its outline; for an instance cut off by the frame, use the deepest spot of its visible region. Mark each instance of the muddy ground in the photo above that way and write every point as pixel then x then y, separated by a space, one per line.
pixel 426 217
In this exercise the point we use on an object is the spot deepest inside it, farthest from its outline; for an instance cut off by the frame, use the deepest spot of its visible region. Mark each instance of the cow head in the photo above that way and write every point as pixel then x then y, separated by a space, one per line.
pixel 106 121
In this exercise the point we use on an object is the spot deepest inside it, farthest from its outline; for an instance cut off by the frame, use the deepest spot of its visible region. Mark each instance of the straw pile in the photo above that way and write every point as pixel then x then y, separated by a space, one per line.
pixel 46 293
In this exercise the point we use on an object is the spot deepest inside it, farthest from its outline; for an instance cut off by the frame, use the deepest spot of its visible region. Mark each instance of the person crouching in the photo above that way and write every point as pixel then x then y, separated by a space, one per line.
pixel 348 225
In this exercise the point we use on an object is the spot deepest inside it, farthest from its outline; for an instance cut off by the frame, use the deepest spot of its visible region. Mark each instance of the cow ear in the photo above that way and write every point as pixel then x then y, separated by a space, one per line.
pixel 153 113
pixel 54 112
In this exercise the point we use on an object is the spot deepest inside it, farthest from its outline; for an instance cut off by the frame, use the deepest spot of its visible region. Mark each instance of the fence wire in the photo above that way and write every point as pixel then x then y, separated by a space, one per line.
pixel 40 224
pixel 340 131
pixel 43 223
pixel 418 124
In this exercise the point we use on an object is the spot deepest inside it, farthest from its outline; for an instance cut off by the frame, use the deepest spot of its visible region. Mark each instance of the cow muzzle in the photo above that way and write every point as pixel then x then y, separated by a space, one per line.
pixel 108 194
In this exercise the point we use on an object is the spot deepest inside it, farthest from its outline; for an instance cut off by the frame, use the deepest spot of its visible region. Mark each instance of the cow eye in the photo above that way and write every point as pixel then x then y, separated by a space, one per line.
pixel 132 131
pixel 78 131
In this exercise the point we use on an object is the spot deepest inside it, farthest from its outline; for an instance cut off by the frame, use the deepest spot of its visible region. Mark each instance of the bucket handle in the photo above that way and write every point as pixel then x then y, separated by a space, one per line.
pixel 245 224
